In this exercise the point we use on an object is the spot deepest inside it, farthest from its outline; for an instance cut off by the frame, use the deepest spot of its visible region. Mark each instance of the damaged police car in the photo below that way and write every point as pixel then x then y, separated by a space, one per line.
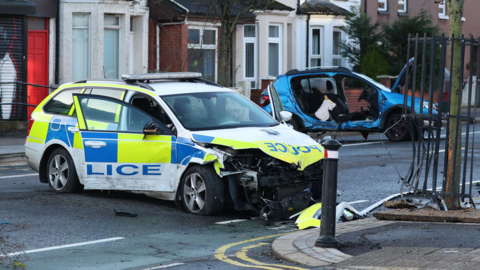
pixel 174 136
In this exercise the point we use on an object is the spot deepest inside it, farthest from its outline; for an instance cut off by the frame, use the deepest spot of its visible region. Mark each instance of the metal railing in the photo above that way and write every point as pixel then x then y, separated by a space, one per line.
pixel 20 114
pixel 426 155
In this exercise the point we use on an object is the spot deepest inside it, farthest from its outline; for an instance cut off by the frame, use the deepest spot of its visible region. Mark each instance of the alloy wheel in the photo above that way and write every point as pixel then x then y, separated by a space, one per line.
pixel 58 172
pixel 194 193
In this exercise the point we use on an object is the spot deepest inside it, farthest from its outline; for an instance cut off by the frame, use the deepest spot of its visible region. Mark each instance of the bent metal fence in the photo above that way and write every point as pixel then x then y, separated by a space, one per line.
pixel 10 106
pixel 430 122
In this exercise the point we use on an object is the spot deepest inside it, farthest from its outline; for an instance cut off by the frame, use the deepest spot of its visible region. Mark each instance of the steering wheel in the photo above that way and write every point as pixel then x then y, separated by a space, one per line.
pixel 364 94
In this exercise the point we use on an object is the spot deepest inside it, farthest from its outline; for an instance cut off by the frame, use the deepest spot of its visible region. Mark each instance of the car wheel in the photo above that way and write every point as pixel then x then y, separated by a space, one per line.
pixel 397 130
pixel 62 176
pixel 202 191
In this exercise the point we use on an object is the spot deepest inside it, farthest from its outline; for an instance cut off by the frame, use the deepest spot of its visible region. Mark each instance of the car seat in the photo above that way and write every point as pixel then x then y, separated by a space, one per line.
pixel 146 106
pixel 182 107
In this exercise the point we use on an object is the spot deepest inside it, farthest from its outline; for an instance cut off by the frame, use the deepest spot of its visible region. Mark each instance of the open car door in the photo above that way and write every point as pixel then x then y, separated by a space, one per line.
pixel 277 107
pixel 400 82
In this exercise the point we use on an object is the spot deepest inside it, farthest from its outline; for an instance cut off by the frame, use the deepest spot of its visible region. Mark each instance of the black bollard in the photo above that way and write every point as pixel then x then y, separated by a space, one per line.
pixel 329 195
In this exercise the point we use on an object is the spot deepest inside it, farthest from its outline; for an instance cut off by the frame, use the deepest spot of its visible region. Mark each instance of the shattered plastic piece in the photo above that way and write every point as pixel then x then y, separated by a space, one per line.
pixel 310 217
pixel 124 214
pixel 5 222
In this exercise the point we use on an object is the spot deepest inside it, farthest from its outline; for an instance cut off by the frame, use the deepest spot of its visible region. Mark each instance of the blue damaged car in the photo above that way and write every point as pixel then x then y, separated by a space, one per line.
pixel 303 92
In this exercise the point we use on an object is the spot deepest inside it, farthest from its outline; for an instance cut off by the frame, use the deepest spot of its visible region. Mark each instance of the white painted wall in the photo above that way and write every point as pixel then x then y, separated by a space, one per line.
pixel 327 24
pixel 97 10
pixel 287 21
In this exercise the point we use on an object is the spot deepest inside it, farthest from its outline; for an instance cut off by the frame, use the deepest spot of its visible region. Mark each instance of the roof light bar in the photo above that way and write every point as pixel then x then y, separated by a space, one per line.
pixel 159 76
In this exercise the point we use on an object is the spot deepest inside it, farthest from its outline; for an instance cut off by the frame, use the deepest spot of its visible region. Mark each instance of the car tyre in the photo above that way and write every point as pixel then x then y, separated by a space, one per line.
pixel 397 132
pixel 61 173
pixel 202 191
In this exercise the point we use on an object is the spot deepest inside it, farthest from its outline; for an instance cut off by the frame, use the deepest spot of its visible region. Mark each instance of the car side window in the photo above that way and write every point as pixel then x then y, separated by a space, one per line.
pixel 61 103
pixel 108 115
pixel 151 107
pixel 113 93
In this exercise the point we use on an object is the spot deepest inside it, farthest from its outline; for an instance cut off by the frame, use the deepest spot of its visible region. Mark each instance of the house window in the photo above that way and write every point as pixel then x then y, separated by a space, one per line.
pixel 402 5
pixel 250 49
pixel 80 47
pixel 274 50
pixel 111 34
pixel 441 8
pixel 336 54
pixel 202 51
pixel 382 5
pixel 316 47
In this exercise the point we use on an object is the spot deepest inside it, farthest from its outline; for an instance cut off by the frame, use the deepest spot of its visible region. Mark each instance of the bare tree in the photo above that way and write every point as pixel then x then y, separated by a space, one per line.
pixel 455 8
pixel 230 12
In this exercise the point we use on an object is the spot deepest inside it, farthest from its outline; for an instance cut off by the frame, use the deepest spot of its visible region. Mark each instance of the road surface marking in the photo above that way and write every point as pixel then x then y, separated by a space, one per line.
pixel 230 221
pixel 163 266
pixel 220 252
pixel 242 254
pixel 63 246
pixel 22 175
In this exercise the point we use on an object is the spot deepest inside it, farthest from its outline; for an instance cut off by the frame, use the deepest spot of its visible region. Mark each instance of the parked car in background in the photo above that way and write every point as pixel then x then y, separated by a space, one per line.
pixel 303 92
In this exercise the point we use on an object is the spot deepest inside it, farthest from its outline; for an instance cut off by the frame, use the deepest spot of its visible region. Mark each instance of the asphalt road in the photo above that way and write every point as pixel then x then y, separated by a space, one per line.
pixel 162 236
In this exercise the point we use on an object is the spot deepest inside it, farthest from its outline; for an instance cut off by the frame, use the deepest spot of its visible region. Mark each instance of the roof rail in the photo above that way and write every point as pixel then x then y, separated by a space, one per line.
pixel 99 80
pixel 318 69
pixel 143 85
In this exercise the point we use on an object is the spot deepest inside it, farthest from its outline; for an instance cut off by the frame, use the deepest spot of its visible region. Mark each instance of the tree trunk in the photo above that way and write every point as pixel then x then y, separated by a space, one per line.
pixel 455 8
pixel 224 55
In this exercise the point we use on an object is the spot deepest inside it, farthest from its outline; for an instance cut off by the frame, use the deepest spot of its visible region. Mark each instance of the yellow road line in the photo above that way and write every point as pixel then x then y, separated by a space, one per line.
pixel 220 252
pixel 242 254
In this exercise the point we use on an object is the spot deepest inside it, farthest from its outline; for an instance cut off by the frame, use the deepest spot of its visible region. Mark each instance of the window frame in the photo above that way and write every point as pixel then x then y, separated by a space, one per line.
pixel 276 40
pixel 252 40
pixel 312 56
pixel 165 130
pixel 88 42
pixel 442 6
pixel 386 5
pixel 405 7
pixel 201 46
pixel 337 56
pixel 60 92
pixel 114 27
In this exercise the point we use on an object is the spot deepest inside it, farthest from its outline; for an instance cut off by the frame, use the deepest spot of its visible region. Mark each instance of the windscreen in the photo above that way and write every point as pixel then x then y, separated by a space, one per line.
pixel 217 110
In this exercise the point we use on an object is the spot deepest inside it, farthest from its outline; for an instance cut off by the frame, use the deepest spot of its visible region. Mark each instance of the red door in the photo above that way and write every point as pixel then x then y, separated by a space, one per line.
pixel 37 68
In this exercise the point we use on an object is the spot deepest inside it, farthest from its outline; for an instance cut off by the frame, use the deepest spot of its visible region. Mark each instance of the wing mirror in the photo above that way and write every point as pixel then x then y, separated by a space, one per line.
pixel 151 129
pixel 286 116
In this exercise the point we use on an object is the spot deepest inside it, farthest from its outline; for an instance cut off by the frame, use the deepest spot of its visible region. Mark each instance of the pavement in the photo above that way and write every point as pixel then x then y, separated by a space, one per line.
pixel 378 244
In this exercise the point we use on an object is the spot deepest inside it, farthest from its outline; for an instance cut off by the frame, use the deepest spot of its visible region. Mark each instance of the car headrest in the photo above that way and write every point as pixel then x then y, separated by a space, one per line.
pixel 141 103
pixel 329 86
pixel 182 106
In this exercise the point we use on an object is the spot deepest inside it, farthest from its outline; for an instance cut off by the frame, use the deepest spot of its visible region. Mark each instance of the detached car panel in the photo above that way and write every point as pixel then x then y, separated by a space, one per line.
pixel 192 142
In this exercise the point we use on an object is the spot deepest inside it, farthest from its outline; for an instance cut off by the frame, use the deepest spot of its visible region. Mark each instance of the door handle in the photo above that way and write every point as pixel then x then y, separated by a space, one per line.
pixel 73 129
pixel 95 144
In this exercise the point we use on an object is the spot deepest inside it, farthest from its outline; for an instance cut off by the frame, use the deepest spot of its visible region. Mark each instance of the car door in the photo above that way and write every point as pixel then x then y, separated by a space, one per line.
pixel 116 153
pixel 277 106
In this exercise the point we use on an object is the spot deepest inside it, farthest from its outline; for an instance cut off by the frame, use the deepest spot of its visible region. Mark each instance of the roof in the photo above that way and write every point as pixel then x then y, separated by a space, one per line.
pixel 322 7
pixel 173 88
pixel 203 7
pixel 317 70
pixel 279 6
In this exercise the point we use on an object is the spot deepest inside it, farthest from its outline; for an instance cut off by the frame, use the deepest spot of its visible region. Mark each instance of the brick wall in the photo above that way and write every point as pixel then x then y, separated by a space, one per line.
pixel 152 53
pixel 255 95
pixel 174 47
pixel 265 83
pixel 352 95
